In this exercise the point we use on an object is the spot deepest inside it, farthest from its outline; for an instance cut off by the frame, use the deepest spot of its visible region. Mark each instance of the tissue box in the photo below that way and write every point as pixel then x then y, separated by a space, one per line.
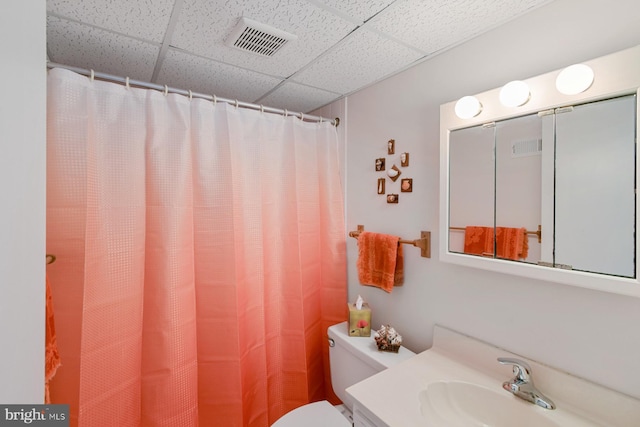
pixel 359 320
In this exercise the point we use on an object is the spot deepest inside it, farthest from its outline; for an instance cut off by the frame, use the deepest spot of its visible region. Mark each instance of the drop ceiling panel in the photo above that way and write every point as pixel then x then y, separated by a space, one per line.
pixel 88 47
pixel 147 19
pixel 203 27
pixel 361 59
pixel 297 97
pixel 190 72
pixel 434 25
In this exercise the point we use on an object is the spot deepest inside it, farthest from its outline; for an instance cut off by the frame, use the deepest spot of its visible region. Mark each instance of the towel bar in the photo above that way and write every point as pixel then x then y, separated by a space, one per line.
pixel 424 242
pixel 533 233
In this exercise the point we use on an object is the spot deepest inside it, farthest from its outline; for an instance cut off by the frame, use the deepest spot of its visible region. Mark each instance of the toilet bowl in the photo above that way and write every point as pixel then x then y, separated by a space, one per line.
pixel 316 414
pixel 352 359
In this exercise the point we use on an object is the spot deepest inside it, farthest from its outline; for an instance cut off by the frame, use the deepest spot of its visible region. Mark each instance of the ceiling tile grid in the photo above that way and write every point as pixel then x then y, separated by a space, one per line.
pixel 341 45
pixel 363 57
pixel 357 9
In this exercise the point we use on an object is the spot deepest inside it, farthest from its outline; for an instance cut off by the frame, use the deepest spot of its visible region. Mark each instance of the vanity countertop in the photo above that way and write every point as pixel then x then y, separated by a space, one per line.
pixel 391 397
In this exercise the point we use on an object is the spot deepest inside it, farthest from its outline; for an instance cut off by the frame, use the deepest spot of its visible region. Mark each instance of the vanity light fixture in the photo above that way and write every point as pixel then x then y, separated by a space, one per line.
pixel 515 94
pixel 574 79
pixel 468 107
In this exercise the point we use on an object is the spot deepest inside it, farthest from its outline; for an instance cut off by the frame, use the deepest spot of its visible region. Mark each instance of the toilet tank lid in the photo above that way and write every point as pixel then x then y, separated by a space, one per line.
pixel 366 347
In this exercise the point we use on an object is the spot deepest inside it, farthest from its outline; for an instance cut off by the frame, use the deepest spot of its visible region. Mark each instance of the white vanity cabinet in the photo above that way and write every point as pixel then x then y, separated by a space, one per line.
pixel 363 418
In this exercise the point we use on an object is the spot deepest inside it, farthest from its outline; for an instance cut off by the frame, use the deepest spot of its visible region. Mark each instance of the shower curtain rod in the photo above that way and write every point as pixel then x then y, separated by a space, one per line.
pixel 166 89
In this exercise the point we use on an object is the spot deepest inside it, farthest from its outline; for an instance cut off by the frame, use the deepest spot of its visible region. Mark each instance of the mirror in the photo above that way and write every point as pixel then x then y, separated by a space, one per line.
pixel 496 188
pixel 595 216
pixel 547 190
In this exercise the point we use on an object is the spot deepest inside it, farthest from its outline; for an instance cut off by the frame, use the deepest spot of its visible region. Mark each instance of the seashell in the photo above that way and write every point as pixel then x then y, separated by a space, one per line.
pixel 392 172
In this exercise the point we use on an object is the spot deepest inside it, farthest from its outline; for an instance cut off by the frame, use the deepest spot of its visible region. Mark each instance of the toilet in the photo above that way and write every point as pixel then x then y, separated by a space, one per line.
pixel 352 359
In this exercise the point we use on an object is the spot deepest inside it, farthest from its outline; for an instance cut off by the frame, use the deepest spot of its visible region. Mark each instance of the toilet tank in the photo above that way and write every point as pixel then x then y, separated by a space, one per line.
pixel 353 359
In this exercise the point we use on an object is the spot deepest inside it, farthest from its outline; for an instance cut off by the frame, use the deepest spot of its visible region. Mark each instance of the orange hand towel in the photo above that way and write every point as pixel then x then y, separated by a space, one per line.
pixel 512 243
pixel 380 260
pixel 478 240
pixel 52 358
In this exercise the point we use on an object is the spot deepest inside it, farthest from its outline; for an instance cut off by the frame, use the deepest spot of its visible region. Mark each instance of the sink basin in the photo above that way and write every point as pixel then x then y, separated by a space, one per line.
pixel 462 404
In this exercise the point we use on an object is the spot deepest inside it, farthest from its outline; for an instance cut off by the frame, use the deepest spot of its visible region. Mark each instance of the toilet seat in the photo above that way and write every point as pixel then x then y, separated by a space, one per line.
pixel 317 414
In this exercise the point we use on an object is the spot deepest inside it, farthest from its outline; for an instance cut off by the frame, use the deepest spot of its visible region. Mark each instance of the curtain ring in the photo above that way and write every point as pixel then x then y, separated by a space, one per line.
pixel 261 108
pixel 302 116
pixel 166 90
pixel 93 75
pixel 190 95
pixel 236 104
pixel 286 113
pixel 126 82
pixel 215 100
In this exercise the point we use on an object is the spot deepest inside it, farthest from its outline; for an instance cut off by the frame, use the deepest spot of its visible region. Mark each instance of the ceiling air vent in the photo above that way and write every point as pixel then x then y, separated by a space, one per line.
pixel 255 37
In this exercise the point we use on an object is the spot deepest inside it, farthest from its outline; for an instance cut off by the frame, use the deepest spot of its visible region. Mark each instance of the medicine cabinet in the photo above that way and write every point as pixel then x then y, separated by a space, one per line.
pixel 547 190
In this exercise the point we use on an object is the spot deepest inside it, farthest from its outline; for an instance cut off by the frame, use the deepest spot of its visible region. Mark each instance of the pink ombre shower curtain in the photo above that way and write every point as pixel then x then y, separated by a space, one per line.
pixel 200 257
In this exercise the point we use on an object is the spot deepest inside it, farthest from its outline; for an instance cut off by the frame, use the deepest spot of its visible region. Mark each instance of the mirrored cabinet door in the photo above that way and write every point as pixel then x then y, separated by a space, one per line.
pixel 594 228
pixel 472 190
pixel 518 188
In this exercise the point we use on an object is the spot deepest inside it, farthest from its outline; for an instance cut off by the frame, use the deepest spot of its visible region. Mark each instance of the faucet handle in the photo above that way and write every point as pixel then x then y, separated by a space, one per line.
pixel 521 369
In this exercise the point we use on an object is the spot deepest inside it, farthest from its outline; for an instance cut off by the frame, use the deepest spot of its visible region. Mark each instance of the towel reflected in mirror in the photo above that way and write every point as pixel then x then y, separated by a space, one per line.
pixel 511 243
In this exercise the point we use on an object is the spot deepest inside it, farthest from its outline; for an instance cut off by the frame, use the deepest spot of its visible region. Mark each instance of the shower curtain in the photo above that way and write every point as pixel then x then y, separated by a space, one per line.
pixel 200 257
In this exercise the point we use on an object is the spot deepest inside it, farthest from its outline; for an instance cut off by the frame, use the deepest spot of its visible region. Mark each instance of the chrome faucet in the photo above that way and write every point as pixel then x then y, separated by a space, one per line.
pixel 522 385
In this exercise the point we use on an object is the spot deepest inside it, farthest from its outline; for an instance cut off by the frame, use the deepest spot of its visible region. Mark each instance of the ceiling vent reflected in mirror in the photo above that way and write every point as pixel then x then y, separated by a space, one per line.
pixel 256 37
pixel 526 148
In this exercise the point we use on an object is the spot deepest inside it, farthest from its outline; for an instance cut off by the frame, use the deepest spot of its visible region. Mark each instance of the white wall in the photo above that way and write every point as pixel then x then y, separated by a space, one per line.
pixel 588 333
pixel 22 186
pixel 591 334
